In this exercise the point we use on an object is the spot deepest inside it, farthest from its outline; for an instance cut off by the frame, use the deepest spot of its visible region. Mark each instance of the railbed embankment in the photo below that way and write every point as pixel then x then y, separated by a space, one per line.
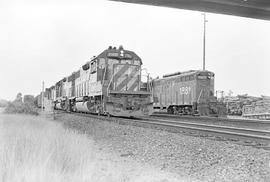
pixel 191 157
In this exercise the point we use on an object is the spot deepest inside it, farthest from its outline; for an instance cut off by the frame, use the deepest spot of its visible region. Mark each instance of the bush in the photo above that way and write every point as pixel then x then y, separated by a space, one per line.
pixel 3 103
pixel 19 107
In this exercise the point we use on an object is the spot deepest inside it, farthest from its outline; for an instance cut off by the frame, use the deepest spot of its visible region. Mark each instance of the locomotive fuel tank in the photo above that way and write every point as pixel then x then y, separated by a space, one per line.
pixel 82 107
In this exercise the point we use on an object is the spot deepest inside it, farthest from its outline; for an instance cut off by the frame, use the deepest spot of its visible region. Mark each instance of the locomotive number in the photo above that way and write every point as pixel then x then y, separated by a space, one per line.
pixel 185 90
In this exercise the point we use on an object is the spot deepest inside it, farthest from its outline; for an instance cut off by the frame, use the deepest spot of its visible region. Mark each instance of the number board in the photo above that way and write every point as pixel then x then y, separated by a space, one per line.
pixel 128 56
pixel 202 77
pixel 113 54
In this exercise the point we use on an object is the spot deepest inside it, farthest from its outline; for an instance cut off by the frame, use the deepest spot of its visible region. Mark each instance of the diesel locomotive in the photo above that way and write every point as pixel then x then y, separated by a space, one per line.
pixel 187 93
pixel 109 83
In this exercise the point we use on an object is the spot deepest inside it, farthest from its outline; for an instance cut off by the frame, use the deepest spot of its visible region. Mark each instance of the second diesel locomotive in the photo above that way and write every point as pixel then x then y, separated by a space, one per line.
pixel 107 84
pixel 189 93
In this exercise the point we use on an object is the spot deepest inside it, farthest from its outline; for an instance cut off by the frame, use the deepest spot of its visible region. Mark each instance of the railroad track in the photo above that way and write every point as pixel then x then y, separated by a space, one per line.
pixel 258 138
pixel 207 118
pixel 227 130
pixel 245 123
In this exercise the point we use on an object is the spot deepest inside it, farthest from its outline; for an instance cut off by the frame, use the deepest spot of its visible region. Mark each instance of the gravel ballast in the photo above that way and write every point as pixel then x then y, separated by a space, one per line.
pixel 194 158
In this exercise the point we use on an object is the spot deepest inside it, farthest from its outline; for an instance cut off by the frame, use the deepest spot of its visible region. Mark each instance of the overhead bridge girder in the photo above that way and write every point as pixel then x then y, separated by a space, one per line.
pixel 245 8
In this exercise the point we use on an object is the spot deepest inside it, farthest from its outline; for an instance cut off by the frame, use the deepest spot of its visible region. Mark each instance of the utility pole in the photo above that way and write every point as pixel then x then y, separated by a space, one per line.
pixel 204 31
pixel 42 96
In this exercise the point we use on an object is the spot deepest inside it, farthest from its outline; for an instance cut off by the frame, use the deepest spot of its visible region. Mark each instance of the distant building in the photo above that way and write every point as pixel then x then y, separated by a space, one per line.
pixel 259 109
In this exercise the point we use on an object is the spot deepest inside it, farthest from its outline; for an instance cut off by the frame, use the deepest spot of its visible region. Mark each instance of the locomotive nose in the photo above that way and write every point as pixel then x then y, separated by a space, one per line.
pixel 131 104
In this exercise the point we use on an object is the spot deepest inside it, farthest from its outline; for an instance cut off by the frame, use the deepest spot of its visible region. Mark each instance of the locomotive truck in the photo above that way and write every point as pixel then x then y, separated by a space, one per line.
pixel 187 93
pixel 107 84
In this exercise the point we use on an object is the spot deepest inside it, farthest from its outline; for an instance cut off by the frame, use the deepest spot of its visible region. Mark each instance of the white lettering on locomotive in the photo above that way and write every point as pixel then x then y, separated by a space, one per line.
pixel 185 90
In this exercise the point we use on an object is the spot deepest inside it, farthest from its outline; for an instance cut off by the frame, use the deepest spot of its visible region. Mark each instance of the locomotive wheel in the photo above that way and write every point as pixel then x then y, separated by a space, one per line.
pixel 170 110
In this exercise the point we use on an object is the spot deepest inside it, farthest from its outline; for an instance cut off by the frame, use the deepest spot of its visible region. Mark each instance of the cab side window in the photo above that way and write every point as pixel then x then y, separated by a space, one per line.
pixel 93 67
pixel 182 79
pixel 136 62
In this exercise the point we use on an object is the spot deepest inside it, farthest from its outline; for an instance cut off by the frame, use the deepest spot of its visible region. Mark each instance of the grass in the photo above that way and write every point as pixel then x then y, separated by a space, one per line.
pixel 32 150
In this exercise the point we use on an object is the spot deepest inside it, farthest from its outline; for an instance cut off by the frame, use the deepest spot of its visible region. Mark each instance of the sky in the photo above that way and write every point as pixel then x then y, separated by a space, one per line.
pixel 48 40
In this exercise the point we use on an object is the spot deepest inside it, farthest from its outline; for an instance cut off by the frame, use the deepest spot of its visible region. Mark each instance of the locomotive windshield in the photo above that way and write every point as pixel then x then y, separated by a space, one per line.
pixel 137 62
pixel 205 76
pixel 125 61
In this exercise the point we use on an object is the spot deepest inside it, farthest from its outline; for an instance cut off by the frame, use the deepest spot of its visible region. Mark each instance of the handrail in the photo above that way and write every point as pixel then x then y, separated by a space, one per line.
pixel 104 75
pixel 103 84
pixel 109 84
pixel 199 96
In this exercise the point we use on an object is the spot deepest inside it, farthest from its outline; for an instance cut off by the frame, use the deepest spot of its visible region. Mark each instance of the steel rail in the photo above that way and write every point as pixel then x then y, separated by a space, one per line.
pixel 260 134
pixel 262 137
pixel 205 118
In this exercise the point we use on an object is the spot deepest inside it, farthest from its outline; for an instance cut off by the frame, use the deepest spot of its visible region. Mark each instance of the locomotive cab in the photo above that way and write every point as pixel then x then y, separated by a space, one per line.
pixel 124 96
pixel 187 93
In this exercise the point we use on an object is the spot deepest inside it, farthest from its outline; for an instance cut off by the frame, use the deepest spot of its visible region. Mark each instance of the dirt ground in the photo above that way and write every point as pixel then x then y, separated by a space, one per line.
pixel 2 110
pixel 192 158
pixel 133 171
